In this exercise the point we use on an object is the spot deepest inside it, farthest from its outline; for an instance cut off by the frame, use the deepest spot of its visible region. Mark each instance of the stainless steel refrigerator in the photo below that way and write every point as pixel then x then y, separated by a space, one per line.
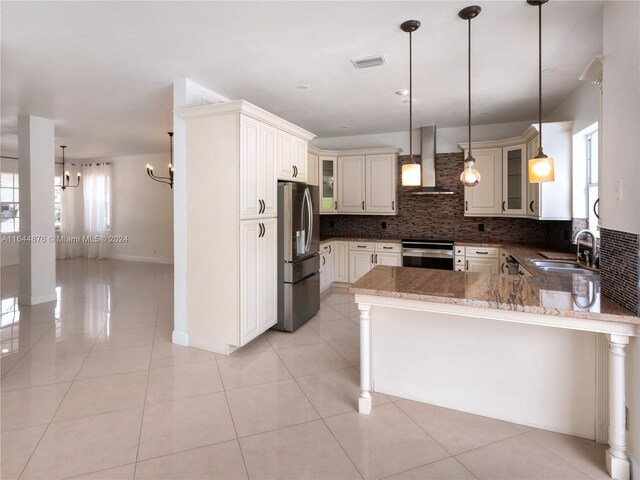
pixel 298 254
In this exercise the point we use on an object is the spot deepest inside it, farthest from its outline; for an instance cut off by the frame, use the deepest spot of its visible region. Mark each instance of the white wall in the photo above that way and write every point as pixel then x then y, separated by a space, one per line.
pixel 142 209
pixel 620 138
pixel 9 252
pixel 621 117
pixel 447 138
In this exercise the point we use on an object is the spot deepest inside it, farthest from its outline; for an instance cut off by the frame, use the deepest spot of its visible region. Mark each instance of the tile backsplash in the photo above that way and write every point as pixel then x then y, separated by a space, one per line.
pixel 619 267
pixel 442 216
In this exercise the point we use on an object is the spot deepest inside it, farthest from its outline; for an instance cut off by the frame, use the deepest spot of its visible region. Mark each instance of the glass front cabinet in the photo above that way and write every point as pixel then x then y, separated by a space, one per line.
pixel 514 180
pixel 328 184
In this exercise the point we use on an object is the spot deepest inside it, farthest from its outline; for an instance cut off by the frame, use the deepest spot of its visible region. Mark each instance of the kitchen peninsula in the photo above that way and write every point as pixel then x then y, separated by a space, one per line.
pixel 455 339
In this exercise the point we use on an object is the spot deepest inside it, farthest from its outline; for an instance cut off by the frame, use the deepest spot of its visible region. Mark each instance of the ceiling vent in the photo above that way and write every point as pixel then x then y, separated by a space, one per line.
pixel 369 62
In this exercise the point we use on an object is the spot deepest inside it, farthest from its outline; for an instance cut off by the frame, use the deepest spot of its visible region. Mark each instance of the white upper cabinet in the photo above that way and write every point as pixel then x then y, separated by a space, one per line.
pixel 380 184
pixel 504 189
pixel 312 172
pixel 285 155
pixel 485 199
pixel 514 180
pixel 292 157
pixel 258 183
pixel 250 205
pixel 366 184
pixel 300 160
pixel 351 194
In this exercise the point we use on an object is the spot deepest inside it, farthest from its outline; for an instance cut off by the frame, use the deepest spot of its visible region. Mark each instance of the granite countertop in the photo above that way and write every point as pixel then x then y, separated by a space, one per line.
pixel 567 295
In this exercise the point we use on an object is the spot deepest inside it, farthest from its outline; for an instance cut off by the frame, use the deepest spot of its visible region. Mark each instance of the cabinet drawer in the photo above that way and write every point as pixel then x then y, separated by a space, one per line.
pixel 326 247
pixel 362 246
pixel 388 247
pixel 486 252
pixel 458 260
pixel 458 268
pixel 459 250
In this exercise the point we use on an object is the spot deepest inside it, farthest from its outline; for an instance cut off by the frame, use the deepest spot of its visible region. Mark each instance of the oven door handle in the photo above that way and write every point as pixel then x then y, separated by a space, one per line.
pixel 407 252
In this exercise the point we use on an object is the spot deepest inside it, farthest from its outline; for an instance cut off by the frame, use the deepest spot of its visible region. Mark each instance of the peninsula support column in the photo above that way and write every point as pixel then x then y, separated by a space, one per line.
pixel 36 152
pixel 364 402
pixel 617 460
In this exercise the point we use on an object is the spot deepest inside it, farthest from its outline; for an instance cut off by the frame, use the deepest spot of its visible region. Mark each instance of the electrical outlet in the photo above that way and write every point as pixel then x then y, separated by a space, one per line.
pixel 384 225
pixel 481 227
pixel 626 418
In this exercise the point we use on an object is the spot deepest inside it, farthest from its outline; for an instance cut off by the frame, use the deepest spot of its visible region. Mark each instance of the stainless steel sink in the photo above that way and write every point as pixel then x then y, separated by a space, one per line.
pixel 572 267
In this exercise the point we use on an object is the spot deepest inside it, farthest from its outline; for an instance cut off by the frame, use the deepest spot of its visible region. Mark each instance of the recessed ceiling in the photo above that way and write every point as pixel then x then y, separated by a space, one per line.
pixel 104 70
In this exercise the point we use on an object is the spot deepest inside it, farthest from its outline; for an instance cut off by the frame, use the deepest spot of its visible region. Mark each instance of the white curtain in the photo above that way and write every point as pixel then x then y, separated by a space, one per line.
pixel 97 207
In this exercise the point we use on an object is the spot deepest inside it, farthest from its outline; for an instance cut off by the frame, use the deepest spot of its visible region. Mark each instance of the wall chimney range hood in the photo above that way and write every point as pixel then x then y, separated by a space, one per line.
pixel 428 152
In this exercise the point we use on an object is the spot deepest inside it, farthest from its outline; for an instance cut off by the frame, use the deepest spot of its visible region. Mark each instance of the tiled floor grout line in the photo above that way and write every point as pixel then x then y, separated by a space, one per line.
pixel 320 416
pixel 55 413
pixel 144 404
pixel 233 422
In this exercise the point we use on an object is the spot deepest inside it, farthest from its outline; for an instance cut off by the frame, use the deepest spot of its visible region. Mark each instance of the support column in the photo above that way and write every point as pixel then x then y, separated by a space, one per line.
pixel 364 402
pixel 36 151
pixel 617 460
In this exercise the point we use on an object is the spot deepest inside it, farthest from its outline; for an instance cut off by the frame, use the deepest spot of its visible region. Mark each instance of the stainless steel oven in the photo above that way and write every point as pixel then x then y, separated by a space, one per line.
pixel 436 254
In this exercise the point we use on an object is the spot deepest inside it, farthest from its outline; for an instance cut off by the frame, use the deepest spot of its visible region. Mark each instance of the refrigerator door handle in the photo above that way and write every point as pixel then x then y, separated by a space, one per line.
pixel 307 199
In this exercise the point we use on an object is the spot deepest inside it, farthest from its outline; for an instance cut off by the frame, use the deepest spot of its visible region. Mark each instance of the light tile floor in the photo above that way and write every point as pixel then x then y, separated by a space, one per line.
pixel 92 387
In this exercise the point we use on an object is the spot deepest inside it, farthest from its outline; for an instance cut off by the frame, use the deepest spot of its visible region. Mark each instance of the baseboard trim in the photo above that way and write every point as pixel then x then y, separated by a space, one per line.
pixel 138 258
pixel 29 300
pixel 180 338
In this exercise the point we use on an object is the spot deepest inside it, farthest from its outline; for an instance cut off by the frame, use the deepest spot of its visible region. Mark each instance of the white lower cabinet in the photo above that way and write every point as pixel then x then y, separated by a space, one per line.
pixel 326 266
pixel 341 262
pixel 363 256
pixel 389 259
pixel 482 265
pixel 359 264
pixel 258 269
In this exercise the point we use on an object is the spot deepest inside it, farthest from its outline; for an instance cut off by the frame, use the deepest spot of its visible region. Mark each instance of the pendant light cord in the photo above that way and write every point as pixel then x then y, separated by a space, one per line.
pixel 540 75
pixel 410 99
pixel 469 85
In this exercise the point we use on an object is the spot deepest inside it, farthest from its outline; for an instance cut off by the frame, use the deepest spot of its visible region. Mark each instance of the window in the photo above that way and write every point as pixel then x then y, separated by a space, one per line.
pixel 9 203
pixel 592 178
pixel 57 201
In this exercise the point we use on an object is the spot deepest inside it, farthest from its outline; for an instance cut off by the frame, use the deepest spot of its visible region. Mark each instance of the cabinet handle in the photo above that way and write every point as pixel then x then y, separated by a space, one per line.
pixel 376 258
pixel 372 258
pixel 260 232
pixel 482 253
pixel 363 204
pixel 324 260
pixel 531 206
pixel 466 205
pixel 595 204
pixel 361 246
pixel 329 248
pixel 295 169
pixel 503 202
pixel 387 248
pixel 502 267
pixel 467 266
pixel 393 205
pixel 335 205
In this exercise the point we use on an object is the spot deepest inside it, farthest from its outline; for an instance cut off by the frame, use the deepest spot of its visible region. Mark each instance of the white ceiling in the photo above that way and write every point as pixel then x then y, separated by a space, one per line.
pixel 104 70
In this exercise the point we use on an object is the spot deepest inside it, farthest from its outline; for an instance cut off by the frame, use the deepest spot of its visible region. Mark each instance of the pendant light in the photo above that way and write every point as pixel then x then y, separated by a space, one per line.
pixel 168 180
pixel 66 177
pixel 470 177
pixel 541 168
pixel 411 173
